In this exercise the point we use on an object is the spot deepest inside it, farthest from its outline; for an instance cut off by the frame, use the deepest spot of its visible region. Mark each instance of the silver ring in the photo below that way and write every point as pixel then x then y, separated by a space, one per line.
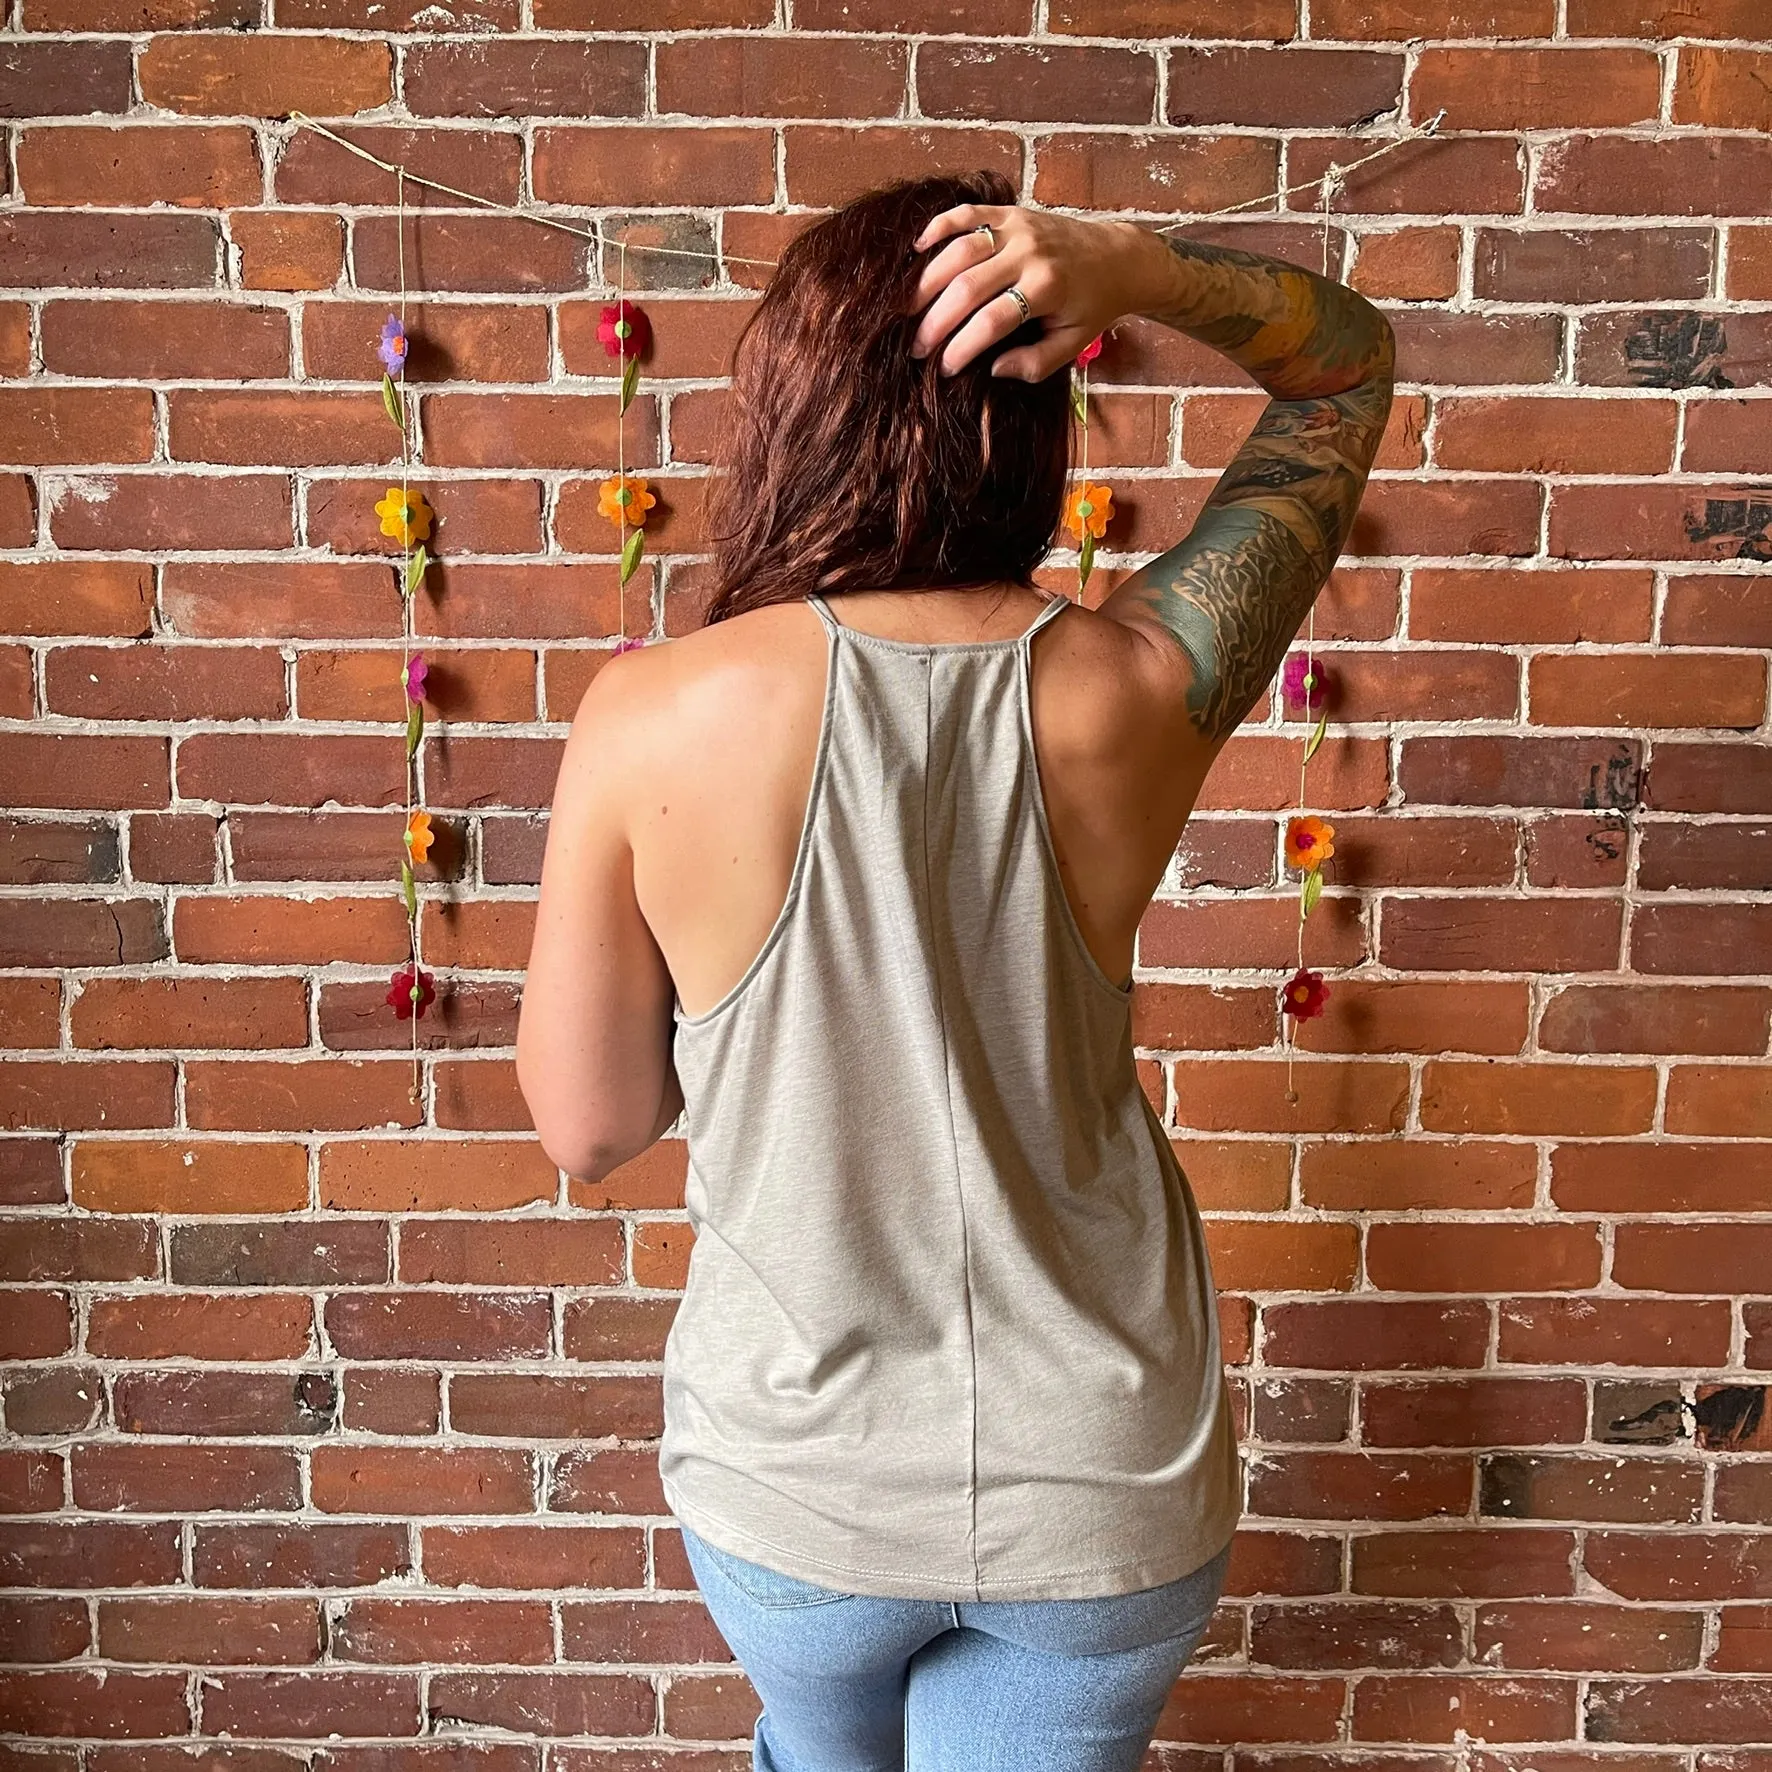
pixel 1021 301
pixel 988 232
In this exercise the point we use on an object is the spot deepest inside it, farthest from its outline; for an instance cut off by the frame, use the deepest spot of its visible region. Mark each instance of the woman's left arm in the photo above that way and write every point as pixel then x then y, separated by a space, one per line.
pixel 594 1058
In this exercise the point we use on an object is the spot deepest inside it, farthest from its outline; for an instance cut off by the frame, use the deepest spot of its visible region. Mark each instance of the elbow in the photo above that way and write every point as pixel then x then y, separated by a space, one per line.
pixel 570 1140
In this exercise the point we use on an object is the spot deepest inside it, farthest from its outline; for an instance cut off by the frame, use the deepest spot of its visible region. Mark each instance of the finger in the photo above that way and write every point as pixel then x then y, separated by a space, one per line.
pixel 959 254
pixel 964 295
pixel 995 320
pixel 1035 362
pixel 956 221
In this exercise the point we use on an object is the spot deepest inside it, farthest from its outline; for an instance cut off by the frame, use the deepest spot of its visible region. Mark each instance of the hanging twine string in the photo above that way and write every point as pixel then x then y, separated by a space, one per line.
pixel 303 121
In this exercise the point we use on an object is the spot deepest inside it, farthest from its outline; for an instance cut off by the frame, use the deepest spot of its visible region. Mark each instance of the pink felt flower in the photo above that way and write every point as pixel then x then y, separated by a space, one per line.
pixel 623 330
pixel 1304 995
pixel 392 349
pixel 416 672
pixel 1089 352
pixel 629 645
pixel 1305 682
pixel 408 996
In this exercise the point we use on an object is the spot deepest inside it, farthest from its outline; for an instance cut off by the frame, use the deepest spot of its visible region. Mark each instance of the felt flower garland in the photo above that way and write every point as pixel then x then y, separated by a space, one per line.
pixel 624 332
pixel 1089 509
pixel 1305 687
pixel 406 518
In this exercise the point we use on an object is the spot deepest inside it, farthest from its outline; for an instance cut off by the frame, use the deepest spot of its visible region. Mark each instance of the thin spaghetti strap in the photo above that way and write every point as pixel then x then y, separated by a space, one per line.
pixel 1059 600
pixel 832 625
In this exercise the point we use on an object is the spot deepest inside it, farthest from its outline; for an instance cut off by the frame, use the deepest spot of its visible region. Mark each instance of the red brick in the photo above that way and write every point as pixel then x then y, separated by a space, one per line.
pixel 1359 1335
pixel 1615 1331
pixel 1744 1644
pixel 1479 1412
pixel 56 769
pixel 535 430
pixel 1236 1175
pixel 1675 175
pixel 1387 850
pixel 1646 690
pixel 1348 1634
pixel 1650 519
pixel 1661 18
pixel 53 425
pixel 164 339
pixel 201 1326
pixel 244 75
pixel 1662 1177
pixel 263 930
pixel 1537 1098
pixel 1404 1015
pixel 448 341
pixel 420 1175
pixel 151 681
pixel 1420 1174
pixel 1468 1562
pixel 1680 1710
pixel 1710 778
pixel 39 79
pixel 1712 1259
pixel 782 76
pixel 189 1176
pixel 1657 1018
pixel 173 511
pixel 138 1013
pixel 1218 1095
pixel 1471 934
pixel 1484 770
pixel 1255 772
pixel 467 685
pixel 487 77
pixel 1225 1708
pixel 1537 88
pixel 288 249
pixel 132 168
pixel 1152 173
pixel 1271 1256
pixel 1455 1708
pixel 419 1480
pixel 1730 1101
pixel 1577 849
pixel 281 600
pixel 831 165
pixel 496 253
pixel 1715 938
pixel 235 425
pixel 114 597
pixel 1470 1258
pixel 482 162
pixel 1326 1485
pixel 1720 611
pixel 1722 438
pixel 284 769
pixel 651 166
pixel 111 251
pixel 1044 84
pixel 343 1095
pixel 1555 434
pixel 1583 265
pixel 1681 1566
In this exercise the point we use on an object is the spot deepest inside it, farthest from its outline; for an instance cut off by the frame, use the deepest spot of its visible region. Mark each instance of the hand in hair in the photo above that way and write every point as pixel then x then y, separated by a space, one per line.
pixel 1076 276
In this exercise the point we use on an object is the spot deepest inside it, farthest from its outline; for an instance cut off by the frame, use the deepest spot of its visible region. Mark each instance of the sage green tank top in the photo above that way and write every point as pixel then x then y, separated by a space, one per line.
pixel 948 1330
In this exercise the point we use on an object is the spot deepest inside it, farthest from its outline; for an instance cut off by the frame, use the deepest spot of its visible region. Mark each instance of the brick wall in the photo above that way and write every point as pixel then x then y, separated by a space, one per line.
pixel 332 1418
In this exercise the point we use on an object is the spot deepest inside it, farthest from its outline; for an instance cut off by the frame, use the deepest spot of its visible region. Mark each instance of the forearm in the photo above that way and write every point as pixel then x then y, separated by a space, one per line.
pixel 1298 334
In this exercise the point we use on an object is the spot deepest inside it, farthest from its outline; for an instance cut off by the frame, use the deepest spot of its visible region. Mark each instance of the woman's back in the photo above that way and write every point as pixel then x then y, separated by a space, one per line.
pixel 731 718
pixel 948 1328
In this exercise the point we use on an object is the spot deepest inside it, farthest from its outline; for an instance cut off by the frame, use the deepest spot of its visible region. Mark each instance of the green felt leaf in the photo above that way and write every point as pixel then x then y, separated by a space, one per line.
pixel 1310 890
pixel 1316 737
pixel 415 726
pixel 630 378
pixel 408 891
pixel 1079 400
pixel 631 552
pixel 416 563
pixel 1085 562
pixel 391 400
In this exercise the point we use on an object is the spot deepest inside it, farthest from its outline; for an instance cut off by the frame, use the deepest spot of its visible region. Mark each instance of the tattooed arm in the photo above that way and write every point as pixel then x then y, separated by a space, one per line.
pixel 1232 593
pixel 1222 604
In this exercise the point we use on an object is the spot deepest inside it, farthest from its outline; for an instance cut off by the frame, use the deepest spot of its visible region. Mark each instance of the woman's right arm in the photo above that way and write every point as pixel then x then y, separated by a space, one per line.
pixel 1225 601
pixel 1233 591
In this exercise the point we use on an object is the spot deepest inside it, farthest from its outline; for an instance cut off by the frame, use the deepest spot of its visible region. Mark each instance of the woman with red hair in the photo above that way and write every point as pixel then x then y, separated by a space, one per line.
pixel 850 877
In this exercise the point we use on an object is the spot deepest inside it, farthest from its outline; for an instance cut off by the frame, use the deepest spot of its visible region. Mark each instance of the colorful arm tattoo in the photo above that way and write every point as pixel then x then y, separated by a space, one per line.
pixel 1234 590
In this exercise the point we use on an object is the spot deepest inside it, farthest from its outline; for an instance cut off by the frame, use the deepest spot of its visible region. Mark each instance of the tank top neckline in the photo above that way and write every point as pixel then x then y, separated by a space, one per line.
pixel 1020 639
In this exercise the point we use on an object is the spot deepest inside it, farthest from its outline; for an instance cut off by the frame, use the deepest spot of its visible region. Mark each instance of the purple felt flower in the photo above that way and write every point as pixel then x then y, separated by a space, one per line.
pixel 1305 682
pixel 392 349
pixel 415 677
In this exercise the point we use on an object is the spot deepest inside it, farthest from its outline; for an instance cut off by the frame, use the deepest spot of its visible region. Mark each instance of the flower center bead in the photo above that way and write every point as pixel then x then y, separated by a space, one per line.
pixel 1085 508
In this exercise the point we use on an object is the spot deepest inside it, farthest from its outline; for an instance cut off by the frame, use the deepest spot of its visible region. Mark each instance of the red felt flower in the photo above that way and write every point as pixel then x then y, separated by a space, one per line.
pixel 1304 995
pixel 407 998
pixel 1089 352
pixel 623 330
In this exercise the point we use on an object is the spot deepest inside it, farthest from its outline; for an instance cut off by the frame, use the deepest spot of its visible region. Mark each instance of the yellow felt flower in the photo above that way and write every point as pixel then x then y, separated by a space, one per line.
pixel 1090 508
pixel 419 837
pixel 404 515
pixel 624 500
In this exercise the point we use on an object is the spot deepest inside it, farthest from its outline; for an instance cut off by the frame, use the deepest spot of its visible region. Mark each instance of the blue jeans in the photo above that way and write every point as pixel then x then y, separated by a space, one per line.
pixel 860 1683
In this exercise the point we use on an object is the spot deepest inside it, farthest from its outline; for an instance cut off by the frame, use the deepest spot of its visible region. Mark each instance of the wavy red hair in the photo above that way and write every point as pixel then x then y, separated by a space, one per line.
pixel 849 464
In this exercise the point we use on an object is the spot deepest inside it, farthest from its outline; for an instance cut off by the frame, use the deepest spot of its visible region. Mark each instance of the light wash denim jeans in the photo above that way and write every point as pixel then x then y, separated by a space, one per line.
pixel 860 1683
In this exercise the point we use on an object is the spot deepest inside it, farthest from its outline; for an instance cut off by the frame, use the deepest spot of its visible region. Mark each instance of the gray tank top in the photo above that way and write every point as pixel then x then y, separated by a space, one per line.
pixel 948 1329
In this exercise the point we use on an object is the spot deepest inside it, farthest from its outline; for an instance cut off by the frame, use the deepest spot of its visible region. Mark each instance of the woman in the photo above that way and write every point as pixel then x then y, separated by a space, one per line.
pixel 855 887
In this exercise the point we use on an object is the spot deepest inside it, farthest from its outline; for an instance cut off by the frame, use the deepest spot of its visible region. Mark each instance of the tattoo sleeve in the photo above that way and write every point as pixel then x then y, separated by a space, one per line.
pixel 1234 590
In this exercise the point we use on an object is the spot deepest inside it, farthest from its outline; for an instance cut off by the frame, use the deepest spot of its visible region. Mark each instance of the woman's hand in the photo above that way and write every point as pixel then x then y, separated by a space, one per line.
pixel 1078 277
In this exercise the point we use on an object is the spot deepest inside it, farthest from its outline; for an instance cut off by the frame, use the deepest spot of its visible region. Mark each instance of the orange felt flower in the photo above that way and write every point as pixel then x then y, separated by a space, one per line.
pixel 1091 508
pixel 404 516
pixel 1309 842
pixel 419 837
pixel 624 500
